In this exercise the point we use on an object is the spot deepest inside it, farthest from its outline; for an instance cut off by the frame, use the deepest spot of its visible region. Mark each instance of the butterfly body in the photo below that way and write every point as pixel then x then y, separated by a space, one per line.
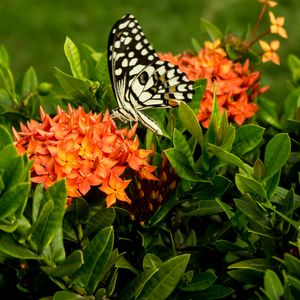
pixel 140 80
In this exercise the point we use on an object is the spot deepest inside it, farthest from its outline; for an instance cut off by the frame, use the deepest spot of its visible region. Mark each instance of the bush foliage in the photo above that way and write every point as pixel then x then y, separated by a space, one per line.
pixel 222 221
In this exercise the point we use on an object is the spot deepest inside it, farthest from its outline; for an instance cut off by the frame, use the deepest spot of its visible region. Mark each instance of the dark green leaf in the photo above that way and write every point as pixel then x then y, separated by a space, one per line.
pixel 66 295
pixel 277 153
pixel 11 247
pixel 123 263
pixel 151 261
pixel 227 157
pixel 247 138
pixel 293 264
pixel 71 264
pixel 96 256
pixel 204 208
pixel 190 121
pixel 5 137
pixel 256 264
pixel 248 185
pixel 13 199
pixel 295 282
pixel 216 291
pixel 181 144
pixel 247 276
pixel 102 218
pixel 202 282
pixel 78 211
pixel 181 165
pixel 164 281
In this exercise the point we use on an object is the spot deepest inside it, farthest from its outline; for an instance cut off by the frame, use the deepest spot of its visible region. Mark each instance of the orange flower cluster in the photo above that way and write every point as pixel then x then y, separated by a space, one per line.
pixel 236 85
pixel 86 149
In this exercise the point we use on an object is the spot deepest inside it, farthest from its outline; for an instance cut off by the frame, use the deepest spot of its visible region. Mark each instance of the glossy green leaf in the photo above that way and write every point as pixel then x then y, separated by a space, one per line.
pixel 258 170
pixel 256 264
pixel 213 31
pixel 123 263
pixel 181 165
pixel 164 281
pixel 71 264
pixel 271 184
pixel 13 198
pixel 273 286
pixel 201 281
pixel 66 295
pixel 151 261
pixel 112 284
pixel 29 83
pixel 190 122
pixel 57 249
pixel 249 207
pixel 46 226
pixel 216 291
pixel 293 264
pixel 295 282
pixel 103 217
pixel 249 185
pixel 78 211
pixel 96 256
pixel 204 208
pixel 247 138
pixel 73 57
pixel 11 247
pixel 73 87
pixel 210 190
pixel 276 154
pixel 227 157
pixel 247 276
pixel 5 137
pixel 199 88
pixel 268 112
pixel 181 144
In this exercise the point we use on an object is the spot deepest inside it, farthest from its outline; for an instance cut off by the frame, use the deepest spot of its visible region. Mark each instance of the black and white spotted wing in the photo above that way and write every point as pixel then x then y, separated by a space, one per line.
pixel 140 80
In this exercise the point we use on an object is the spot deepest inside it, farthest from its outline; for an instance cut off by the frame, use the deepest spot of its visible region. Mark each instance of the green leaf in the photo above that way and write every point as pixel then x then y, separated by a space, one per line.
pixel 210 190
pixel 57 250
pixel 78 211
pixel 276 154
pixel 45 229
pixel 181 165
pixel 96 256
pixel 249 185
pixel 216 291
pixel 13 199
pixel 5 137
pixel 256 264
pixel 73 57
pixel 29 83
pixel 103 217
pixel 201 281
pixel 11 247
pixel 199 88
pixel 293 264
pixel 271 184
pixel 66 295
pixel 247 137
pixel 227 157
pixel 294 65
pixel 181 144
pixel 255 213
pixel 190 121
pixel 4 58
pixel 246 276
pixel 268 112
pixel 204 208
pixel 295 282
pixel 213 31
pixel 71 264
pixel 123 263
pixel 151 261
pixel 73 87
pixel 164 281
pixel 272 285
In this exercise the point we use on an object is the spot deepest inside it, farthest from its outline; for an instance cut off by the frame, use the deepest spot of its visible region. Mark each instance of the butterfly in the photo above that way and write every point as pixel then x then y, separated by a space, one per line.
pixel 140 80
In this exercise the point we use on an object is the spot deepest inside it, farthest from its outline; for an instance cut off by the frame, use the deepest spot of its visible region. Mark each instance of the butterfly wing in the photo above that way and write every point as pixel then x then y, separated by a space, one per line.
pixel 139 78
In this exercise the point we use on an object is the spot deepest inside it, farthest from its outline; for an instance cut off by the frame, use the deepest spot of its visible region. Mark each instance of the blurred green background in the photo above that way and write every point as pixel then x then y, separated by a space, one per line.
pixel 34 31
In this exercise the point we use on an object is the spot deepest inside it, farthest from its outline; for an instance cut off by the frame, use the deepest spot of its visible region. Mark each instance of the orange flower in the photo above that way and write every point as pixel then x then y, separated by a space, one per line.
pixel 270 51
pixel 114 188
pixel 268 2
pixel 233 80
pixel 277 25
pixel 86 149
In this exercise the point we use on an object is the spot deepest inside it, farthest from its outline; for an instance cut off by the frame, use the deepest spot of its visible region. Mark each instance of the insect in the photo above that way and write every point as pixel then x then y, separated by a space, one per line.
pixel 140 80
